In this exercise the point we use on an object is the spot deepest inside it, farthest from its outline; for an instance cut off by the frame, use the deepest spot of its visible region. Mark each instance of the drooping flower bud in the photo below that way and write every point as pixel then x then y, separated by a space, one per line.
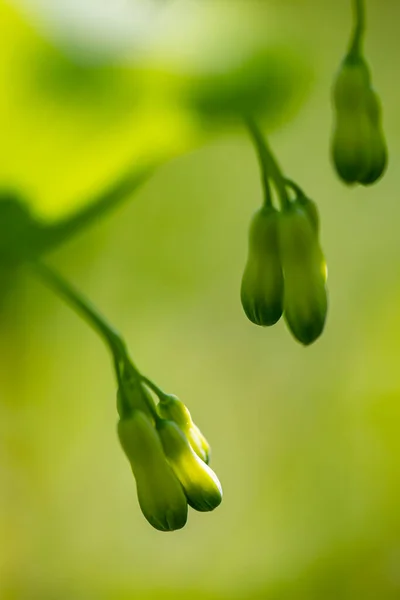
pixel 262 282
pixel 311 210
pixel 379 157
pixel 358 145
pixel 305 297
pixel 351 139
pixel 201 485
pixel 161 497
pixel 173 409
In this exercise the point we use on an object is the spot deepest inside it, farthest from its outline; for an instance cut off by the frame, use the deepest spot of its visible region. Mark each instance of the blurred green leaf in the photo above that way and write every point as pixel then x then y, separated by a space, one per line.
pixel 73 123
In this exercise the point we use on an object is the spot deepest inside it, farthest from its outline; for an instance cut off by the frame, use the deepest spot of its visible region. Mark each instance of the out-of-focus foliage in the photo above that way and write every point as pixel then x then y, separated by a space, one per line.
pixel 81 100
pixel 306 441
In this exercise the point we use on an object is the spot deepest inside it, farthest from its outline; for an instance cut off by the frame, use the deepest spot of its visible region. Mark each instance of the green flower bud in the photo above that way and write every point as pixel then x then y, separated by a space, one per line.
pixel 306 204
pixel 173 409
pixel 201 485
pixel 351 146
pixel 262 282
pixel 358 145
pixel 311 210
pixel 378 161
pixel 352 82
pixel 305 298
pixel 352 136
pixel 161 497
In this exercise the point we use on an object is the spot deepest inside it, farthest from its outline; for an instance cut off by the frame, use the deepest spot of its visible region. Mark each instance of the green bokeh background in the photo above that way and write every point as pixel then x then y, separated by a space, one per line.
pixel 305 440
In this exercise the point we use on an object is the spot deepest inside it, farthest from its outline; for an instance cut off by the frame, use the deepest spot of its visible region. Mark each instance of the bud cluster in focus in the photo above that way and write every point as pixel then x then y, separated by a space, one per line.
pixel 169 458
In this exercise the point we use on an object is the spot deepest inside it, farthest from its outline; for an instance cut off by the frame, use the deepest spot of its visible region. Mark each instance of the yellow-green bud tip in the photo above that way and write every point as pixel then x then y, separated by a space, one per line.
pixel 173 409
pixel 201 485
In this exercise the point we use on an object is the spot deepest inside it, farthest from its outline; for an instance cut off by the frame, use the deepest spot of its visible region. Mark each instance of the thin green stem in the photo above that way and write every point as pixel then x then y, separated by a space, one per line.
pixel 124 367
pixel 357 37
pixel 158 391
pixel 259 145
pixel 83 307
pixel 53 235
pixel 296 188
pixel 270 167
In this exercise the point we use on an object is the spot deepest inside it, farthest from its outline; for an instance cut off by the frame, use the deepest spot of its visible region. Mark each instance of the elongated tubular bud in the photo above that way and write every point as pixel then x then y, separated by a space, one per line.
pixel 201 485
pixel 352 147
pixel 161 497
pixel 170 407
pixel 305 299
pixel 353 132
pixel 378 143
pixel 352 81
pixel 305 203
pixel 311 210
pixel 262 283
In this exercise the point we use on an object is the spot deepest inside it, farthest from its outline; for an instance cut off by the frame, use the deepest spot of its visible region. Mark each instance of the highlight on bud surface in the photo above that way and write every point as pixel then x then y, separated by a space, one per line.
pixel 201 485
pixel 262 283
pixel 173 409
pixel 305 296
pixel 358 144
pixel 161 497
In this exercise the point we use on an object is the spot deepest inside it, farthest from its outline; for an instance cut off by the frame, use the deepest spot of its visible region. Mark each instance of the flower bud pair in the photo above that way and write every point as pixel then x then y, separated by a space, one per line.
pixel 286 270
pixel 173 409
pixel 160 494
pixel 304 267
pixel 262 283
pixel 358 145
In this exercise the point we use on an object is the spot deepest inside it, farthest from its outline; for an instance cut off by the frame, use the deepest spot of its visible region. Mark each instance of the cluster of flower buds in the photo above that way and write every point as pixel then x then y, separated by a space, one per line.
pixel 358 144
pixel 169 458
pixel 286 270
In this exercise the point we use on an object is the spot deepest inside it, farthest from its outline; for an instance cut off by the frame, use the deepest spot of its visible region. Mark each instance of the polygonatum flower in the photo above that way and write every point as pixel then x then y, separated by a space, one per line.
pixel 304 267
pixel 173 409
pixel 262 283
pixel 201 485
pixel 160 494
pixel 358 144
